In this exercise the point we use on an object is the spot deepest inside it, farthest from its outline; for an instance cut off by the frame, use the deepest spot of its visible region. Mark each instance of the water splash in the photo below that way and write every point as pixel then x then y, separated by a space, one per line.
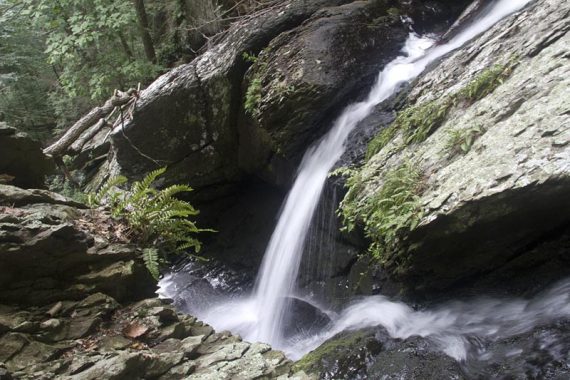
pixel 260 316
pixel 282 258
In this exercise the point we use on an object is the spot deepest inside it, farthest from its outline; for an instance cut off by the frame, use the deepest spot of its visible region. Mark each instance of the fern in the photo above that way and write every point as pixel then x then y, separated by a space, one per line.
pixel 97 198
pixel 390 213
pixel 151 261
pixel 156 218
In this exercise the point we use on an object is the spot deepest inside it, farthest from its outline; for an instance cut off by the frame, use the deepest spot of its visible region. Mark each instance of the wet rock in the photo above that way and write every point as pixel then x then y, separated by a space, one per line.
pixel 303 318
pixel 489 206
pixel 301 84
pixel 22 158
pixel 371 353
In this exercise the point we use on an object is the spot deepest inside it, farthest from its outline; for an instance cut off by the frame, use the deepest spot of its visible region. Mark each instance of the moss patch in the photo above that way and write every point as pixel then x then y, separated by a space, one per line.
pixel 343 354
pixel 253 97
pixel 418 122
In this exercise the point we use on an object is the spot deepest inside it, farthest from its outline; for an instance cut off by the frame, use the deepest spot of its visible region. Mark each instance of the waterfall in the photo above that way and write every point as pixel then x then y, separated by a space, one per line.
pixel 283 255
pixel 260 316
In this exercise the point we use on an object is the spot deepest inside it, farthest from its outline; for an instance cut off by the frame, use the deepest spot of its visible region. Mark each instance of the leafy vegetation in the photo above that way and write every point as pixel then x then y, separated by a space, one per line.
pixel 460 141
pixel 388 214
pixel 486 82
pixel 253 97
pixel 156 218
pixel 60 58
pixel 418 122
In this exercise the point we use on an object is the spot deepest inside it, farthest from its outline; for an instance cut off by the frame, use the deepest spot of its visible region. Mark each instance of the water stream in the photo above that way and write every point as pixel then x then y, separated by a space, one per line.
pixel 260 316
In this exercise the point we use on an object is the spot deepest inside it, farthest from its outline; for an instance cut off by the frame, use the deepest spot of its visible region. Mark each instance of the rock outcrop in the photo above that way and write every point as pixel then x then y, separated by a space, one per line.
pixel 53 248
pixel 372 354
pixel 495 173
pixel 22 162
pixel 63 271
pixel 192 119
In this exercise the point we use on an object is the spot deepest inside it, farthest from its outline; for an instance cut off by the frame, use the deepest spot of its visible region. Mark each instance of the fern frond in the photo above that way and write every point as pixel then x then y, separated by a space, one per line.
pixel 150 258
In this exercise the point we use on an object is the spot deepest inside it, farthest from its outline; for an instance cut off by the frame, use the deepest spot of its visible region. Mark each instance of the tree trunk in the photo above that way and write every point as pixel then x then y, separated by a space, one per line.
pixel 144 29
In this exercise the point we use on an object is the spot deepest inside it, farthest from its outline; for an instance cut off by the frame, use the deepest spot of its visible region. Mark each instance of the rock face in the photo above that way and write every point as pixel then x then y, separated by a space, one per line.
pixel 372 354
pixel 313 57
pixel 187 119
pixel 296 84
pixel 63 271
pixel 496 171
pixel 22 158
pixel 51 250
pixel 96 338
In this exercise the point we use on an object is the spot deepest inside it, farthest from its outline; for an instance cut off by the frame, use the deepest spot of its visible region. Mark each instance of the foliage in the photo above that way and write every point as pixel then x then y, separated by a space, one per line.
pixel 390 212
pixel 418 122
pixel 154 217
pixel 25 77
pixel 415 123
pixel 460 141
pixel 253 97
pixel 152 262
pixel 249 57
pixel 61 185
pixel 486 82
pixel 92 44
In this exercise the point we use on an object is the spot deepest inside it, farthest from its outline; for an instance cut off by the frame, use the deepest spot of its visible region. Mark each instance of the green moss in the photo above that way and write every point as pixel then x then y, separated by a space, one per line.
pixel 393 11
pixel 315 361
pixel 253 97
pixel 390 213
pixel 418 122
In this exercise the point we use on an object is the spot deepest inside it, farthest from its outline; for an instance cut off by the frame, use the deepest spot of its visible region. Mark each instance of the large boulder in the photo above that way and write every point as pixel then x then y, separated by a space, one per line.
pixel 192 119
pixel 22 162
pixel 372 353
pixel 495 173
pixel 299 81
pixel 52 250
pixel 187 119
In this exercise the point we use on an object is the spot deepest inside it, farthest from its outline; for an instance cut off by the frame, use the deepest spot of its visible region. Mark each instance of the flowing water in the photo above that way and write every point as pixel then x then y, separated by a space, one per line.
pixel 260 316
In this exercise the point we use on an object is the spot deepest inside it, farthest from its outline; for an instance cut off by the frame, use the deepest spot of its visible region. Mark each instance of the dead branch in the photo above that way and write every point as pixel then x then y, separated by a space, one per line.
pixel 60 147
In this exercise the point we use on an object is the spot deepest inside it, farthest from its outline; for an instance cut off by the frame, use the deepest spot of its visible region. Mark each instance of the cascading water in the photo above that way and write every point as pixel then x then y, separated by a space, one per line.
pixel 281 262
pixel 260 316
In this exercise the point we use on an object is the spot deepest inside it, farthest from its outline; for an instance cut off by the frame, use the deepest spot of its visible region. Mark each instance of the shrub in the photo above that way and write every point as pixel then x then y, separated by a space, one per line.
pixel 155 218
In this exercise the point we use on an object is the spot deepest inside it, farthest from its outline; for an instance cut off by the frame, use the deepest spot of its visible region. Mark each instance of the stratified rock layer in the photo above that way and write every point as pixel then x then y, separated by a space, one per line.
pixel 63 271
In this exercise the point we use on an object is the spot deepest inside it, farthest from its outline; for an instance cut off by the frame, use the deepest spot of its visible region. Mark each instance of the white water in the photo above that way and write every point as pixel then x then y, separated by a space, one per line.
pixel 281 261
pixel 282 257
pixel 260 316
pixel 451 325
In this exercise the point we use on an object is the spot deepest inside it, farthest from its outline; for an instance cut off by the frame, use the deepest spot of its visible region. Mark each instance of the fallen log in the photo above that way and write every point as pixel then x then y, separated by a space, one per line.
pixel 59 148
